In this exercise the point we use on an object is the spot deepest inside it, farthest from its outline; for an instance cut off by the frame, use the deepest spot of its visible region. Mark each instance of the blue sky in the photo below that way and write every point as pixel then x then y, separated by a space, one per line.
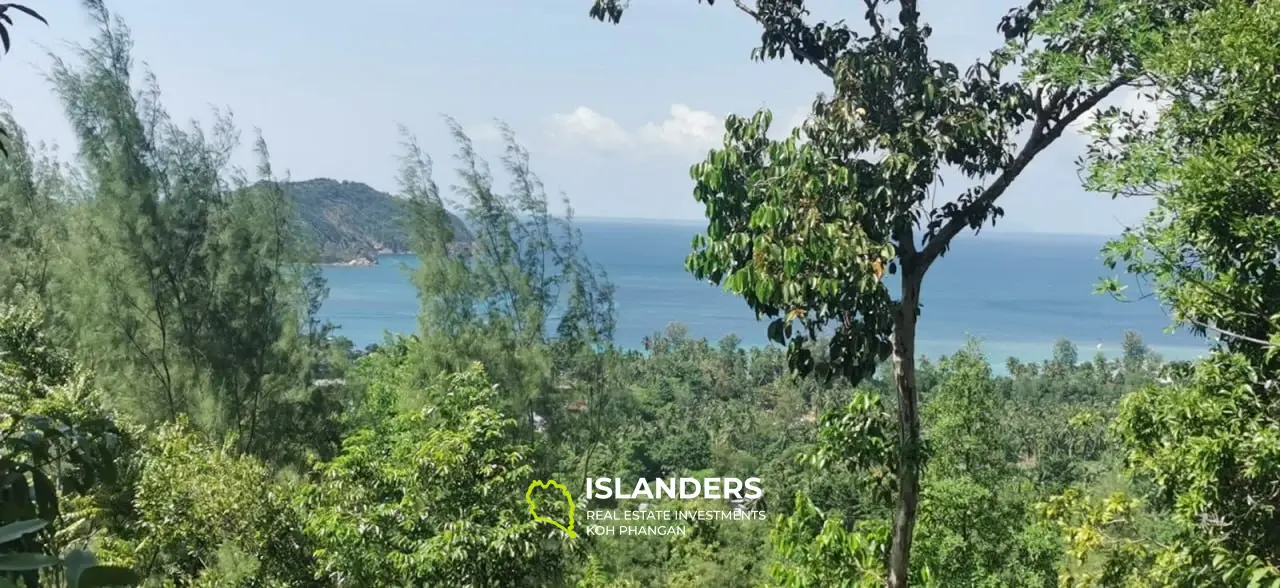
pixel 613 115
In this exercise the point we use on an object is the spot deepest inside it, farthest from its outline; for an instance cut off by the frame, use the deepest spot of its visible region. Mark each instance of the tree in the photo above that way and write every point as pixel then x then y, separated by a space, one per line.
pixel 804 228
pixel 496 300
pixel 29 224
pixel 813 550
pixel 182 281
pixel 197 511
pixel 1205 442
pixel 976 523
pixel 58 449
pixel 1136 354
pixel 444 487
pixel 1065 355
pixel 964 413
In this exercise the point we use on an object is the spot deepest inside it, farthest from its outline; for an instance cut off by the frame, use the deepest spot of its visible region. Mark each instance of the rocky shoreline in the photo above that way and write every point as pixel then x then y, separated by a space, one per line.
pixel 457 248
pixel 357 262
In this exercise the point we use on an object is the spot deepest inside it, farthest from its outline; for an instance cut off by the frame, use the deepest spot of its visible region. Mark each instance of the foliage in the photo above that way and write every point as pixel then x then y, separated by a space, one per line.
pixel 1206 443
pixel 56 443
pixel 784 230
pixel 497 300
pixel 6 20
pixel 194 502
pixel 964 412
pixel 815 551
pixel 28 233
pixel 182 288
pixel 804 228
pixel 1206 161
pixel 457 461
pixel 226 439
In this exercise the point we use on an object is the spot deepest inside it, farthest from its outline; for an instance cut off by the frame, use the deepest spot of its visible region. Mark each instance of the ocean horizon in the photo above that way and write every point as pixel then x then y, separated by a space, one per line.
pixel 1017 293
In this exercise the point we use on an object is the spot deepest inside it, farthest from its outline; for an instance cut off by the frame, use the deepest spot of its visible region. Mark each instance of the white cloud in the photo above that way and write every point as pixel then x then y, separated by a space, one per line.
pixel 586 126
pixel 685 130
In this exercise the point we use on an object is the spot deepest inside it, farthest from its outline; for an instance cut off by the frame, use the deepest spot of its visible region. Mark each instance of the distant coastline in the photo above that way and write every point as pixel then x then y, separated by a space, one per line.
pixel 1018 315
pixel 357 262
pixel 374 260
pixel 363 260
pixel 350 224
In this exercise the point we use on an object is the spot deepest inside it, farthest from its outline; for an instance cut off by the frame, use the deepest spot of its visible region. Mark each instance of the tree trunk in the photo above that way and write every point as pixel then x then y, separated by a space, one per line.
pixel 904 373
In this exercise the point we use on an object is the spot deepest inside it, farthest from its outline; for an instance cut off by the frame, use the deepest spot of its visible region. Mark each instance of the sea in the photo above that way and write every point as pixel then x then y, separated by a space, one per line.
pixel 1017 294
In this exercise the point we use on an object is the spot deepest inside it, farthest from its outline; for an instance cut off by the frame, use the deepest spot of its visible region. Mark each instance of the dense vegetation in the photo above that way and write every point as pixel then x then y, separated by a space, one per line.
pixel 172 411
pixel 784 233
pixel 350 221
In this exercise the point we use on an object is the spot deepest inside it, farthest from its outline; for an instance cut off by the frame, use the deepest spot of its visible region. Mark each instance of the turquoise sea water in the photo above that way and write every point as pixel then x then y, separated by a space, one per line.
pixel 1018 293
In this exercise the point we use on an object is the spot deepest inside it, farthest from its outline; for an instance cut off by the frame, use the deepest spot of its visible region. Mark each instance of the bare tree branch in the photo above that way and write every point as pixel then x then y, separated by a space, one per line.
pixel 873 14
pixel 1042 135
pixel 1232 335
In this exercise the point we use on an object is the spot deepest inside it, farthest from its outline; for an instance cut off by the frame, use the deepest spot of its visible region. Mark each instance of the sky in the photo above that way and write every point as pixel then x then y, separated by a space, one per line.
pixel 613 116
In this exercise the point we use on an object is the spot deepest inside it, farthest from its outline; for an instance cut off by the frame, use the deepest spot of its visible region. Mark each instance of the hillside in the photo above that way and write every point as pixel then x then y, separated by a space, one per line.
pixel 352 222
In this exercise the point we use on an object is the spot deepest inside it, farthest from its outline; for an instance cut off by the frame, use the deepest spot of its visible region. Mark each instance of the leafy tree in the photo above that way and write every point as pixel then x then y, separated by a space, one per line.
pixel 814 550
pixel 57 449
pixel 1065 355
pixel 978 527
pixel 1204 442
pixel 444 489
pixel 197 511
pixel 964 413
pixel 1204 161
pixel 805 227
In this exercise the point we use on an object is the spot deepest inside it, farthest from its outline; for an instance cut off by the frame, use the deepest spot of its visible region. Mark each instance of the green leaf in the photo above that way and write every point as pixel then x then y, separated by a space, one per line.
pixel 99 576
pixel 26 562
pixel 775 331
pixel 20 529
pixel 29 12
pixel 77 561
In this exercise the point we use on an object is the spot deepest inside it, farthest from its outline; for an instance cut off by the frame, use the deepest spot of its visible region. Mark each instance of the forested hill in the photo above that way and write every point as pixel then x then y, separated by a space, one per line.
pixel 353 222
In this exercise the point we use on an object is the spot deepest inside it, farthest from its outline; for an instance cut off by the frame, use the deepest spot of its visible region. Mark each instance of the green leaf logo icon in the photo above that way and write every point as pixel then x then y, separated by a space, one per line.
pixel 533 504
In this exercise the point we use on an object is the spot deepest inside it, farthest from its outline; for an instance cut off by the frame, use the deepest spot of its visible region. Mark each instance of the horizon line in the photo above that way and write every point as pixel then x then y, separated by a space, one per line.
pixel 697 221
pixel 687 221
